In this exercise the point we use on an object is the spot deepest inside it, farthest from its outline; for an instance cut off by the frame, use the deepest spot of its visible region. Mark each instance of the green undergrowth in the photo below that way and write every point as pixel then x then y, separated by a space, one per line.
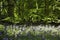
pixel 30 34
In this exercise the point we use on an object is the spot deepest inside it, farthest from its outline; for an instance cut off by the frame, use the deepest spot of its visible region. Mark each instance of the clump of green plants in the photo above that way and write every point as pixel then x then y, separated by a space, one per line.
pixel 1 27
pixel 36 33
pixel 30 11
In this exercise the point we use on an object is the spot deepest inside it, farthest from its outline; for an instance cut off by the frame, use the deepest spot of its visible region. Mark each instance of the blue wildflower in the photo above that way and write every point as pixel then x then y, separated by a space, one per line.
pixel 5 38
pixel 0 33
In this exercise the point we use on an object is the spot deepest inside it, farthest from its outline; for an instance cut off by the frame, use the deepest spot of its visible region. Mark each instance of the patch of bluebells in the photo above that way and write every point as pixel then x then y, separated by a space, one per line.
pixel 0 33
pixel 5 38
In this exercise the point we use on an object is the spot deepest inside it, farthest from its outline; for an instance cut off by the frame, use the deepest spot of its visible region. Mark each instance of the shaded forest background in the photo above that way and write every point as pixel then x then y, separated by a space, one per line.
pixel 30 11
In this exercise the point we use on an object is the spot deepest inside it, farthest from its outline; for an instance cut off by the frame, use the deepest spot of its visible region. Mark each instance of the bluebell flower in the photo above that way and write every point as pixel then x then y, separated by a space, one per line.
pixel 5 38
pixel 0 33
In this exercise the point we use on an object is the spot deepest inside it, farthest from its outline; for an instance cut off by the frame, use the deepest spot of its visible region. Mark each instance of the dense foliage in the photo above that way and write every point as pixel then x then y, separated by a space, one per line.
pixel 32 11
pixel 41 32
